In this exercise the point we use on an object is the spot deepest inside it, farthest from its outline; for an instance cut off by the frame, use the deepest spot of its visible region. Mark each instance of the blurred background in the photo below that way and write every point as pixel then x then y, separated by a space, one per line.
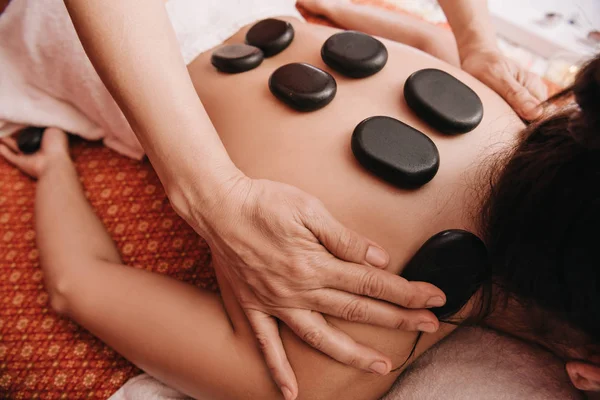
pixel 549 37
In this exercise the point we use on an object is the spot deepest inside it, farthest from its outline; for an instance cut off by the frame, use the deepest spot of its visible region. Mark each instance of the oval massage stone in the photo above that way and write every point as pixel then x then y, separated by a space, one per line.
pixel 354 54
pixel 271 35
pixel 302 86
pixel 443 101
pixel 455 261
pixel 29 140
pixel 235 58
pixel 395 152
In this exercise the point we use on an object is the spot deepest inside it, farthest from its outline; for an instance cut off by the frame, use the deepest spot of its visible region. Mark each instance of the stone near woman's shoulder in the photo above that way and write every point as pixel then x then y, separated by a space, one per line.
pixel 443 101
pixel 236 58
pixel 395 152
pixel 270 35
pixel 456 261
pixel 303 86
pixel 354 54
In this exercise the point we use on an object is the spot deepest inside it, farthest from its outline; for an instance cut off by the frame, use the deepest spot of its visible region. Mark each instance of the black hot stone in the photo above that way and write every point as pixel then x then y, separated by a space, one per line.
pixel 271 35
pixel 235 58
pixel 302 86
pixel 29 140
pixel 395 152
pixel 354 54
pixel 455 261
pixel 443 101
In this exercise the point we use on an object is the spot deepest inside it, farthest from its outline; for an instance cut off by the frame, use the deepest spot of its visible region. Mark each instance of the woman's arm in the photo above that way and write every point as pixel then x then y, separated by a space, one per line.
pixel 263 235
pixel 191 339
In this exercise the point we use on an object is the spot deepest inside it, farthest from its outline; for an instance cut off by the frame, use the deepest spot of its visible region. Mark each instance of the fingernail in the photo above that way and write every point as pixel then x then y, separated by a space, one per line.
pixel 436 301
pixel 379 367
pixel 376 257
pixel 428 327
pixel 287 393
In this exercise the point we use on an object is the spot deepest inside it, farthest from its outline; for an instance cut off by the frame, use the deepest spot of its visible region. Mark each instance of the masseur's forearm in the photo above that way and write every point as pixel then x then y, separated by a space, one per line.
pixel 133 47
pixel 471 24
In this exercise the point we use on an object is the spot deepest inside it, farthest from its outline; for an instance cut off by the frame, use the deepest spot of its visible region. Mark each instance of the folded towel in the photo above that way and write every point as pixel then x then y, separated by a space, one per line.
pixel 47 79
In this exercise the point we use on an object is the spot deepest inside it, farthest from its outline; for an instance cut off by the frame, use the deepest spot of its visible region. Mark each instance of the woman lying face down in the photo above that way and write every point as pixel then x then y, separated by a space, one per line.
pixel 201 343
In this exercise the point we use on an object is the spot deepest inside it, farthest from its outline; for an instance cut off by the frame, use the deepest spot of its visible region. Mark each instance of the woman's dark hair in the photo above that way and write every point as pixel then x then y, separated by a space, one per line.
pixel 541 219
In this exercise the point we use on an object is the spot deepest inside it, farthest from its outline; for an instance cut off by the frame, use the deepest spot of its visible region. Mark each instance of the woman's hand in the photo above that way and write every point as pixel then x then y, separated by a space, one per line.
pixel 523 90
pixel 286 257
pixel 54 149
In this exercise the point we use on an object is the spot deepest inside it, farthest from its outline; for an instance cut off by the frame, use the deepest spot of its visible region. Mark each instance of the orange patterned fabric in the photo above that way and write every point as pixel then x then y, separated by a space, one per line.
pixel 47 357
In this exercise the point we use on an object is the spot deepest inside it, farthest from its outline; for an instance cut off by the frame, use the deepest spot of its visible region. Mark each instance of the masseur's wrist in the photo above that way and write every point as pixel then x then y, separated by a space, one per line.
pixel 475 39
pixel 197 197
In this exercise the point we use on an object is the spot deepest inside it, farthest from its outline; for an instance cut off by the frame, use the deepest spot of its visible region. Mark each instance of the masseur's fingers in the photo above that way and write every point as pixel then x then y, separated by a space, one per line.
pixel 368 311
pixel 518 96
pixel 319 334
pixel 342 242
pixel 380 284
pixel 267 334
pixel 536 86
pixel 522 90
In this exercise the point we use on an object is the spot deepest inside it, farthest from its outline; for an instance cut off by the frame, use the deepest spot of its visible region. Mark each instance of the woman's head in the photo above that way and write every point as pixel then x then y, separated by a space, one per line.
pixel 541 222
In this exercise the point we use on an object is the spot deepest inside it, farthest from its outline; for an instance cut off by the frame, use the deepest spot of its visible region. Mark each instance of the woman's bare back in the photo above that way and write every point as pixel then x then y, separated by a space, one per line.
pixel 266 139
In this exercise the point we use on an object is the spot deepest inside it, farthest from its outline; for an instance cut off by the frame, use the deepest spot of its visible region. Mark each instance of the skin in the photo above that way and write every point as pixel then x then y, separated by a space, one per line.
pixel 262 233
pixel 267 140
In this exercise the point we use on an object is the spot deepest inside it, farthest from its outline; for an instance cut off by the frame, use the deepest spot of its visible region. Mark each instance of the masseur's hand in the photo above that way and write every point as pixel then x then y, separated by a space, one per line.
pixel 523 90
pixel 286 257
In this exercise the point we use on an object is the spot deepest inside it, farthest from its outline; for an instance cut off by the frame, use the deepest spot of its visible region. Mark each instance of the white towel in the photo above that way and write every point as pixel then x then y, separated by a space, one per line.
pixel 46 78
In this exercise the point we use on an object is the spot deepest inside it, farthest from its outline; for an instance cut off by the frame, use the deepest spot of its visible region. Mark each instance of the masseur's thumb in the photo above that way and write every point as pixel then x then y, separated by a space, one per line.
pixel 525 102
pixel 344 243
